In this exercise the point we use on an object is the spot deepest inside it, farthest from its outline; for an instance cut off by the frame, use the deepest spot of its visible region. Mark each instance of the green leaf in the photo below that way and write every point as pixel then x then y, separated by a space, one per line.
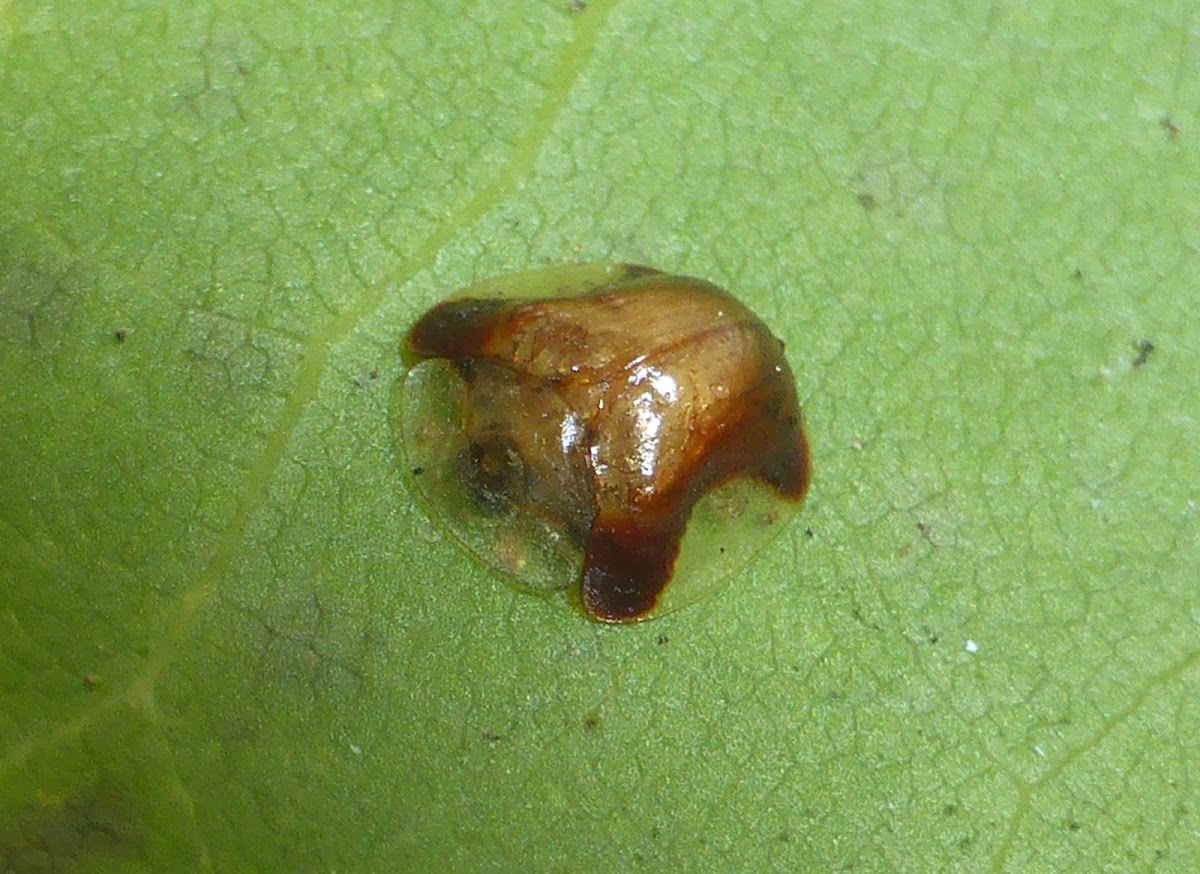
pixel 230 639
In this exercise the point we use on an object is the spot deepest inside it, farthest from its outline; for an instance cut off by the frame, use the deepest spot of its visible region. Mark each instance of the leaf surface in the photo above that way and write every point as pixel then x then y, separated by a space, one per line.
pixel 231 640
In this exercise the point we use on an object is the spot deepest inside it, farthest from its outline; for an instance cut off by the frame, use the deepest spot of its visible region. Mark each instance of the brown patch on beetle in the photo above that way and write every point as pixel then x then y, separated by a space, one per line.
pixel 613 410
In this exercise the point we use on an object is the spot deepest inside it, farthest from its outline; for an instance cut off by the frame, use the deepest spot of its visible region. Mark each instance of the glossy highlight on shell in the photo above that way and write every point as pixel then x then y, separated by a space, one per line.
pixel 611 429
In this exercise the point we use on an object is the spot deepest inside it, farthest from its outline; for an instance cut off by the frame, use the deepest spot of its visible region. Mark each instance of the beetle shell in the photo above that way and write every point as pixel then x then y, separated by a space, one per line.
pixel 608 427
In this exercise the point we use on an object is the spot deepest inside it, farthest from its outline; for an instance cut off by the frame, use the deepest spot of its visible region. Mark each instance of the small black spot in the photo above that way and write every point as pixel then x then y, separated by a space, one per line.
pixel 579 6
pixel 809 533
pixel 662 640
pixel 1074 826
pixel 119 335
pixel 1078 274
pixel 418 470
pixel 950 809
pixel 591 722
pixel 721 549
pixel 363 378
pixel 1144 348
pixel 494 474
pixel 492 737
pixel 867 201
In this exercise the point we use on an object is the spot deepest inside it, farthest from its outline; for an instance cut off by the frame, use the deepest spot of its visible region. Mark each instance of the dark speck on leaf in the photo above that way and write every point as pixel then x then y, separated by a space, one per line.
pixel 1078 274
pixel 591 722
pixel 579 6
pixel 809 533
pixel 1144 348
pixel 492 737
pixel 662 640
pixel 119 335
pixel 867 201
pixel 418 470
pixel 1170 127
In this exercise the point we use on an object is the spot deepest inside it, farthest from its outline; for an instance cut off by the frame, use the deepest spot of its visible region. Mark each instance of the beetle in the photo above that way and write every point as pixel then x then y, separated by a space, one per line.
pixel 609 429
